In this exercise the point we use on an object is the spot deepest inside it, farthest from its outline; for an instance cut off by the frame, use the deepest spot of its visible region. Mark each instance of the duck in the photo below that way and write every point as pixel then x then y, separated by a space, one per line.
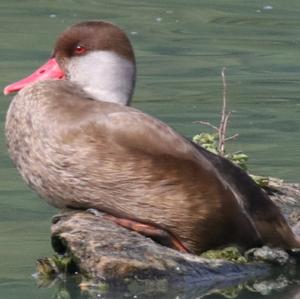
pixel 76 141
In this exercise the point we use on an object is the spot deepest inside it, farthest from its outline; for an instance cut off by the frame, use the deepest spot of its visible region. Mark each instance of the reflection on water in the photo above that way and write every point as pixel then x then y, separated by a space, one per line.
pixel 277 285
pixel 181 47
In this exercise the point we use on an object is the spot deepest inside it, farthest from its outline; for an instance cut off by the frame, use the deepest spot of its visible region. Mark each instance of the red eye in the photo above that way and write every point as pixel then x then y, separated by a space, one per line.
pixel 79 50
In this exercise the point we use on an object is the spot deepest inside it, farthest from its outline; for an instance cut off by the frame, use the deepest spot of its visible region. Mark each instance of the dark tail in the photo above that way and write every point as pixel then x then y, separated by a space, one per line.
pixel 267 217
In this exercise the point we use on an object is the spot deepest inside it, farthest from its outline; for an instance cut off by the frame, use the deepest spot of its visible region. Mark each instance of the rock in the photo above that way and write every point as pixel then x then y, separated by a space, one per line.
pixel 108 256
pixel 103 250
pixel 287 198
pixel 276 256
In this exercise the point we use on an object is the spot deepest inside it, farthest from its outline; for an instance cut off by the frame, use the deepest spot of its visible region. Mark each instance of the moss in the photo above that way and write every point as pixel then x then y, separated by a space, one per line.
pixel 229 253
pixel 49 267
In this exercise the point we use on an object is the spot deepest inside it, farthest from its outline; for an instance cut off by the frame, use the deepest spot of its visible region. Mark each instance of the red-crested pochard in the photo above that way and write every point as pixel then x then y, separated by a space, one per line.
pixel 76 142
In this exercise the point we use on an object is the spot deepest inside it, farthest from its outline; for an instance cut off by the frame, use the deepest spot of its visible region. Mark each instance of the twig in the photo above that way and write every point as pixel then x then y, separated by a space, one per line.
pixel 206 123
pixel 223 121
pixel 232 137
pixel 224 116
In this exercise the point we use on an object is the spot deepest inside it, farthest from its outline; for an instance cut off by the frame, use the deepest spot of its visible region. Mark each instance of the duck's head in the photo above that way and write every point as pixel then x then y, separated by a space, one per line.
pixel 95 55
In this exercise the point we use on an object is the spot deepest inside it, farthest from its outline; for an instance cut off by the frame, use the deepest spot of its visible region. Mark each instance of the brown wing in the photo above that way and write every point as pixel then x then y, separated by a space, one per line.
pixel 124 162
pixel 133 129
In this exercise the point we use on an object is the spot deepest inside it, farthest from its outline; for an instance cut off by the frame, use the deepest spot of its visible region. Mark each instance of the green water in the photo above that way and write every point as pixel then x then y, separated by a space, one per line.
pixel 181 47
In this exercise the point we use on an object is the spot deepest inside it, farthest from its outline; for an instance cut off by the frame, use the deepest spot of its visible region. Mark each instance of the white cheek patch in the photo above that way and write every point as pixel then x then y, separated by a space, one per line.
pixel 105 75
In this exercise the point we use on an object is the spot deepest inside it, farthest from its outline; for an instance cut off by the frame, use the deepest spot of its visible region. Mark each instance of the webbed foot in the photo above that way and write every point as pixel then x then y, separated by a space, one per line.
pixel 159 235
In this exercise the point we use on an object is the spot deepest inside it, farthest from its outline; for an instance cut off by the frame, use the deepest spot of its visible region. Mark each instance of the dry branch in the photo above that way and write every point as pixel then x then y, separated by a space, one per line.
pixel 222 129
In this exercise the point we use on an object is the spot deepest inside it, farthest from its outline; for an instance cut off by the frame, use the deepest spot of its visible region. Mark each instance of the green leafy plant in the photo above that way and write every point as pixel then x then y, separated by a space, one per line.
pixel 210 143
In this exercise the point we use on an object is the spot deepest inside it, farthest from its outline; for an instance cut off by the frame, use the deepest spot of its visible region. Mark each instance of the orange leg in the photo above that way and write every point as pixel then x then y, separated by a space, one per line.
pixel 157 234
